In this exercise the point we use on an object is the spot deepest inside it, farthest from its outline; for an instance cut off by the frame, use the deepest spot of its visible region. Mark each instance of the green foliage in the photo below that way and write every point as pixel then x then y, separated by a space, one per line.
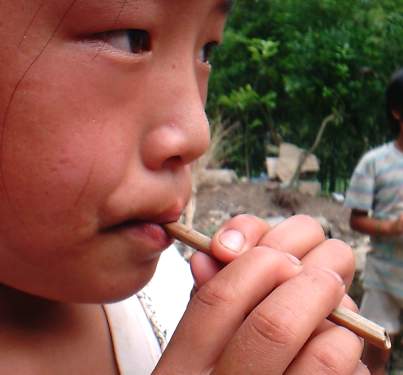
pixel 287 64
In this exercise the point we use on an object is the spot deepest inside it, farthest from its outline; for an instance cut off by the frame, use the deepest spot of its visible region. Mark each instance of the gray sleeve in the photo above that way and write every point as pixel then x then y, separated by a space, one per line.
pixel 360 194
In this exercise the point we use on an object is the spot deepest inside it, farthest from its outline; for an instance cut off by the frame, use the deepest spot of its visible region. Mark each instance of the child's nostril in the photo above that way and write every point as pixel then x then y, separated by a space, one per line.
pixel 173 162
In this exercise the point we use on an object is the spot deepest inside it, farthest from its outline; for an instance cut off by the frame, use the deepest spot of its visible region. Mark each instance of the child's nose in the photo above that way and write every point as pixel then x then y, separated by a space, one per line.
pixel 178 129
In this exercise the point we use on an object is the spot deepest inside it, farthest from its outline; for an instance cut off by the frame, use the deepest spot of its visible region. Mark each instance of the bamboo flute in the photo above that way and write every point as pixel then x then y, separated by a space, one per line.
pixel 368 330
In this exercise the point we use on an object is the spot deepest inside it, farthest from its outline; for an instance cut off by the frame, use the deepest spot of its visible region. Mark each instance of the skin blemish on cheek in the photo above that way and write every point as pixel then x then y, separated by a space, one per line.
pixel 173 66
pixel 87 182
pixel 4 127
pixel 26 31
pixel 91 171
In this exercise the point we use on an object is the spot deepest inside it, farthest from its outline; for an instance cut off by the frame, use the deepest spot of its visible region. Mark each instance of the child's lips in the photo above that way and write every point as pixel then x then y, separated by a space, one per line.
pixel 146 233
pixel 127 220
pixel 153 234
pixel 150 235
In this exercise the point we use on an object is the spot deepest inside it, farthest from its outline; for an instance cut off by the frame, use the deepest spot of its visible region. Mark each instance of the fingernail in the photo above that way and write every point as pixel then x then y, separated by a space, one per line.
pixel 232 240
pixel 293 259
pixel 335 275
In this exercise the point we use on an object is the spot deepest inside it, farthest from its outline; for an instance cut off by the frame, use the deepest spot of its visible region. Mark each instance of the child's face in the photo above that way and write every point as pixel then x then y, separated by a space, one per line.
pixel 101 111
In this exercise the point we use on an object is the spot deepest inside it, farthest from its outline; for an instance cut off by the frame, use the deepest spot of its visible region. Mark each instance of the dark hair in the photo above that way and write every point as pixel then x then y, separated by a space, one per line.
pixel 394 100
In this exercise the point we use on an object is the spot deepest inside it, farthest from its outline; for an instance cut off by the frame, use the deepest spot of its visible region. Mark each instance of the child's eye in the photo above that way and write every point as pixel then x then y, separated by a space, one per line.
pixel 131 41
pixel 205 52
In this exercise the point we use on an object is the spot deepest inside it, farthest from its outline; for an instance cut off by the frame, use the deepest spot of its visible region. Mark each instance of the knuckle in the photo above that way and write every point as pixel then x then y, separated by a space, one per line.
pixel 214 295
pixel 273 328
pixel 264 254
pixel 338 354
pixel 274 259
pixel 343 250
pixel 322 280
pixel 328 360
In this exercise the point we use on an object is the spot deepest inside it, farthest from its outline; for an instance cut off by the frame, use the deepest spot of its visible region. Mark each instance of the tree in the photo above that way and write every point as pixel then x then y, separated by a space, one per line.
pixel 286 65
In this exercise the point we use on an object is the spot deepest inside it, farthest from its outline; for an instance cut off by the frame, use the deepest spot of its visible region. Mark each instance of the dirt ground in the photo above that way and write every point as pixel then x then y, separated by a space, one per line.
pixel 215 204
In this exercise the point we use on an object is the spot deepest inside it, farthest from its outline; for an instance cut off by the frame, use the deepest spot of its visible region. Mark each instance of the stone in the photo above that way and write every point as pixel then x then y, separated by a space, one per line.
pixel 288 161
pixel 311 188
pixel 214 177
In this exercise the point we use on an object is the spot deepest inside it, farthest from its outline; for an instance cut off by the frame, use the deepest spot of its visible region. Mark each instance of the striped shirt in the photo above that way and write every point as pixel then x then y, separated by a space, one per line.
pixel 377 183
pixel 376 186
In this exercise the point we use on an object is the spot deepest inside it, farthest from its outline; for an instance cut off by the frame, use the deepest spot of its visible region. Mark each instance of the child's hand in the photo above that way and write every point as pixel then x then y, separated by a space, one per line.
pixel 265 312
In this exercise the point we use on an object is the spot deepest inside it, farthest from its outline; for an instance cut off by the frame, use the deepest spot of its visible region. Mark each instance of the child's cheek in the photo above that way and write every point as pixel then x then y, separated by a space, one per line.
pixel 56 171
pixel 50 195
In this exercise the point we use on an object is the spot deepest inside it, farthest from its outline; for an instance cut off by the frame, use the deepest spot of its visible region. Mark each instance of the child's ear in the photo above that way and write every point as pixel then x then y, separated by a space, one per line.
pixel 396 115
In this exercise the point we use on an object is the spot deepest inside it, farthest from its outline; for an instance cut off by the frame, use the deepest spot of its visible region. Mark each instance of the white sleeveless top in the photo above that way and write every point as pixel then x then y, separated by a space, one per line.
pixel 142 325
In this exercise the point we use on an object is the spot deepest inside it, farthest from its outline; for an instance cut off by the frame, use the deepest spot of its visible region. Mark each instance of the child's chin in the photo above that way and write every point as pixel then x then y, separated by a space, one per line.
pixel 121 289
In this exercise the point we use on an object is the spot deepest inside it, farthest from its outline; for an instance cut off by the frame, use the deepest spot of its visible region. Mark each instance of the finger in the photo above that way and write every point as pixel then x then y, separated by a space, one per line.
pixel 221 305
pixel 349 303
pixel 245 231
pixel 335 351
pixel 236 236
pixel 203 268
pixel 346 302
pixel 277 329
pixel 333 254
pixel 296 235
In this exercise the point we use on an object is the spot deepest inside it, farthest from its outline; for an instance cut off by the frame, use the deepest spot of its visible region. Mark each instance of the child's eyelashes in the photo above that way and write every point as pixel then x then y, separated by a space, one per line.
pixel 133 41
pixel 206 51
pixel 138 41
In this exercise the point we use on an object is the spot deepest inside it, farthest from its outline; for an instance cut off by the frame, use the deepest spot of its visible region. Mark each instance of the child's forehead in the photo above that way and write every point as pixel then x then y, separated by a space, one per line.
pixel 157 11
pixel 223 5
pixel 84 14
pixel 139 8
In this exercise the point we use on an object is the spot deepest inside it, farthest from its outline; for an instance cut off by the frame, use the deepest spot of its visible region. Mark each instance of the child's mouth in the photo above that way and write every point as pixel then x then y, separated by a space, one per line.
pixel 150 234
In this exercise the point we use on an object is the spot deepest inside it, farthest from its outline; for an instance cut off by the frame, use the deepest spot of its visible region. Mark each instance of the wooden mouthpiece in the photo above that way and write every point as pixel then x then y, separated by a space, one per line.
pixel 370 331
